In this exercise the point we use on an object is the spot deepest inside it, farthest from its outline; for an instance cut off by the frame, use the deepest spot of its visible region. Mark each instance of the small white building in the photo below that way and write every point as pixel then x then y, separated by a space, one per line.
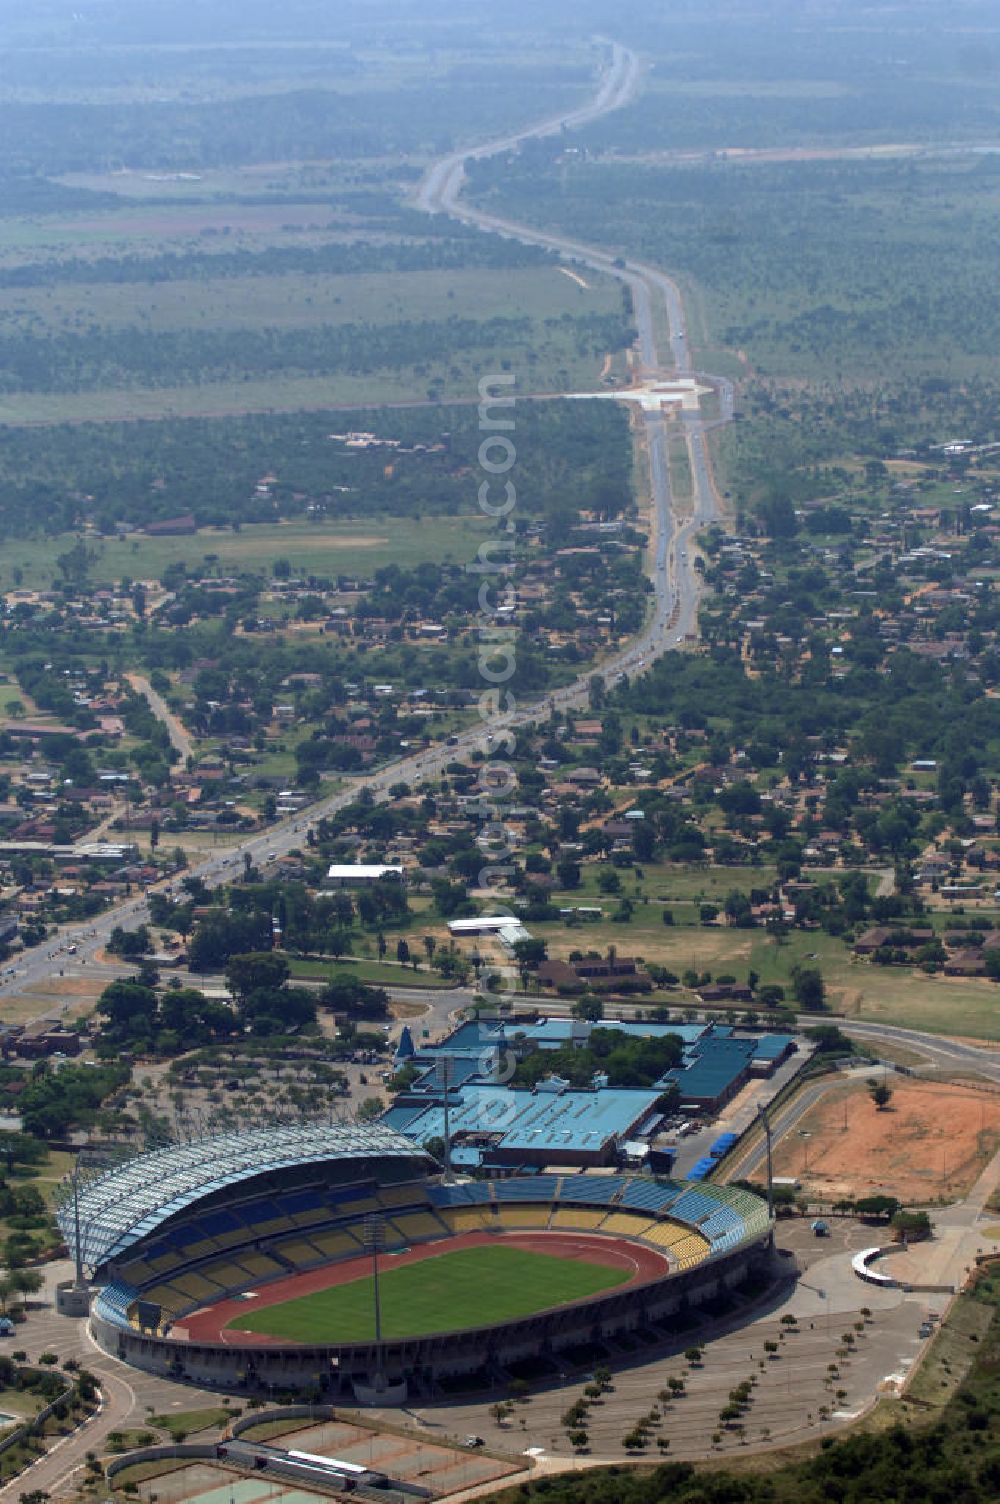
pixel 506 928
pixel 481 924
pixel 356 874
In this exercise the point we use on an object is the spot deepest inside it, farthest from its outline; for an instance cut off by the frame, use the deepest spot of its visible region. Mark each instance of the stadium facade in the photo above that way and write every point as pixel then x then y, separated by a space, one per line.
pixel 175 1232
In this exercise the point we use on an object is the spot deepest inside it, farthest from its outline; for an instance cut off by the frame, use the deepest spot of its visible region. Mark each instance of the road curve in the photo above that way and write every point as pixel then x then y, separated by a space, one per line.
pixel 676 588
pixel 439 192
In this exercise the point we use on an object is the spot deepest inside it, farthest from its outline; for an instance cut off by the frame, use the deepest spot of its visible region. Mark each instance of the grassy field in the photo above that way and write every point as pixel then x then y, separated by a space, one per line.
pixel 437 1294
pixel 297 301
pixel 319 548
pixel 882 994
pixel 379 973
pixel 547 344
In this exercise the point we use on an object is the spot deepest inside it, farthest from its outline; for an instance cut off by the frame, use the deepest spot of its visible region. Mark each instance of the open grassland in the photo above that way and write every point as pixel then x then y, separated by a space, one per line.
pixel 362 969
pixel 894 995
pixel 296 300
pixel 461 1289
pixel 555 366
pixel 311 548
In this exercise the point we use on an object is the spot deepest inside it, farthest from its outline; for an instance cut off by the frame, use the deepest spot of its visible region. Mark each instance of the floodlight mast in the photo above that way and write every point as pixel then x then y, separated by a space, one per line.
pixel 374 1235
pixel 78 1252
pixel 765 1120
pixel 447 1178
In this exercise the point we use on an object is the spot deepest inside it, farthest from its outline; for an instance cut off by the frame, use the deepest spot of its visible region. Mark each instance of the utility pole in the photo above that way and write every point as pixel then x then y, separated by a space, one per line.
pixel 374 1236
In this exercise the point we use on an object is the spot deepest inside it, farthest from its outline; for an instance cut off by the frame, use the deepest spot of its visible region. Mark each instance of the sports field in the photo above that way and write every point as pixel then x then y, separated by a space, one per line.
pixel 469 1287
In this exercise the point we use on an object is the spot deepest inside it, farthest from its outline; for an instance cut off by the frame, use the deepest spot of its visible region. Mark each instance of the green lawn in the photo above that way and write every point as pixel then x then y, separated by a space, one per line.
pixel 379 973
pixel 469 1287
pixel 314 547
pixel 301 301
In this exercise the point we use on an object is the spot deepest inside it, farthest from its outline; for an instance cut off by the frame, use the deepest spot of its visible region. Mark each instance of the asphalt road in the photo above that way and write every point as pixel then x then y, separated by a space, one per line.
pixel 675 582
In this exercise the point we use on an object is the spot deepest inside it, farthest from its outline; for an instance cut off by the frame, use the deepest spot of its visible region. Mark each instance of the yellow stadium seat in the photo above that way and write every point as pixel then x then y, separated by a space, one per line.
pixel 350 1209
pixel 403 1195
pixel 195 1286
pixel 419 1225
pixel 628 1224
pixel 259 1265
pixel 467 1219
pixel 226 1273
pixel 272 1225
pixel 200 1249
pixel 298 1252
pixel 335 1245
pixel 511 1215
pixel 577 1218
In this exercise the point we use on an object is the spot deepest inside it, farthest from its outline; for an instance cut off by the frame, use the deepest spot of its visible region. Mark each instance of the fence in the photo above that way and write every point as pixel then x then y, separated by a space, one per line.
pixel 22 1432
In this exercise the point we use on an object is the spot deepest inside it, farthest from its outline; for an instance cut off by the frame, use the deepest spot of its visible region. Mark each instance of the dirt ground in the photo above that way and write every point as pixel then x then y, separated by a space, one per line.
pixel 930 1144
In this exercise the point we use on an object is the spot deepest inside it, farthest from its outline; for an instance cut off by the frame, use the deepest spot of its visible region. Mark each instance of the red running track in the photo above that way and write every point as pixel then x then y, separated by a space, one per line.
pixel 209 1323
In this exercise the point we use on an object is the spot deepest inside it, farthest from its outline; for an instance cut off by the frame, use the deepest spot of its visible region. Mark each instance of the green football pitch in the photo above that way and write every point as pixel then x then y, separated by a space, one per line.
pixel 470 1287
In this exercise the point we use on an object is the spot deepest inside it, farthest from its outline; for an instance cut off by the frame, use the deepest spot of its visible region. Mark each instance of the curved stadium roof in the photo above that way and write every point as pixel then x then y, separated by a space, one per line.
pixel 129 1202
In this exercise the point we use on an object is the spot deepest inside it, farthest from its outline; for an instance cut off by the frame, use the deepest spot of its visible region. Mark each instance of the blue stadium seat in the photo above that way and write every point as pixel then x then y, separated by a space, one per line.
pixel 591 1190
pixel 301 1201
pixel 259 1211
pixel 693 1205
pixel 527 1188
pixel 114 1300
pixel 475 1193
pixel 215 1222
pixel 720 1224
pixel 649 1195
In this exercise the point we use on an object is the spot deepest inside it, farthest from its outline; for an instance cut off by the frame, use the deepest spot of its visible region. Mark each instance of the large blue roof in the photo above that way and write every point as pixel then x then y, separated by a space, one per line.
pixel 126 1204
pixel 549 1120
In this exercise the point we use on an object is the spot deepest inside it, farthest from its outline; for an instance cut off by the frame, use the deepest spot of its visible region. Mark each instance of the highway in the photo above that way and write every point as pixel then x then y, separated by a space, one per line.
pixel 675 582
pixel 672 617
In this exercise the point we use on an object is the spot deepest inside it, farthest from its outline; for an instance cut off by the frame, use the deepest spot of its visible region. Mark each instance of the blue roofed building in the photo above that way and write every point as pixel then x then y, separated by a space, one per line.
pixel 513 1128
pixel 496 1126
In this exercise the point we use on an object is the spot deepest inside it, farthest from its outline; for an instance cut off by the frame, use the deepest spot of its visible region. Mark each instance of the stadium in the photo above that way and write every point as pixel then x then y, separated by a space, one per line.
pixel 244 1261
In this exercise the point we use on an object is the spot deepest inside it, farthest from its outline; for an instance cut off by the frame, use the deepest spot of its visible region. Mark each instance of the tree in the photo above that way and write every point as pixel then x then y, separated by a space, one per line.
pixel 809 987
pixel 590 1009
pixel 530 953
pixel 430 946
pixel 881 1094
pixel 991 960
pixel 26 1282
pixel 878 1205
pixel 402 952
pixel 356 999
pixel 254 972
